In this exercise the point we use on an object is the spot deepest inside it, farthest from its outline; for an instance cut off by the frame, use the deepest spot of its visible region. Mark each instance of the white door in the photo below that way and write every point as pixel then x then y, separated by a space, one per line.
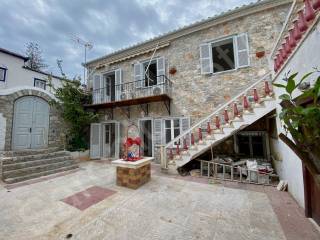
pixel 31 123
pixel 107 140
pixel 95 141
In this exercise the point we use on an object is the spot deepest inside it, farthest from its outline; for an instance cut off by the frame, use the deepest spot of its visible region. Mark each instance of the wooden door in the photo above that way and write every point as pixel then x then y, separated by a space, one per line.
pixel 31 123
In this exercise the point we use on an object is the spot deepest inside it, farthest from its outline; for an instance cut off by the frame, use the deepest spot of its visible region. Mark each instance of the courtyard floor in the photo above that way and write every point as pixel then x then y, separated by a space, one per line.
pixel 86 204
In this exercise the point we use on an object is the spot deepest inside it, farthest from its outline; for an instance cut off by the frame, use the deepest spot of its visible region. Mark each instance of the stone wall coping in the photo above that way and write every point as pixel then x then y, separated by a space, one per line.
pixel 134 165
pixel 4 92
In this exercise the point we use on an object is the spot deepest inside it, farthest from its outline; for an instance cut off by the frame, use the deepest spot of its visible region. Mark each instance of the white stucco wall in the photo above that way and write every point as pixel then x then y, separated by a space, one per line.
pixel 289 166
pixel 18 76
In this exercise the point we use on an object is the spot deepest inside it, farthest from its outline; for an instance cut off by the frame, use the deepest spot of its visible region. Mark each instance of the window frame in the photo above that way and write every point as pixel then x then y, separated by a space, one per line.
pixel 235 50
pixel 172 128
pixel 251 134
pixel 142 64
pixel 4 75
pixel 40 80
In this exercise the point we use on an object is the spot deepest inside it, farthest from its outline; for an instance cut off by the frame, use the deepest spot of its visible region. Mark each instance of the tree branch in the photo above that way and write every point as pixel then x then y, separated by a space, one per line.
pixel 305 159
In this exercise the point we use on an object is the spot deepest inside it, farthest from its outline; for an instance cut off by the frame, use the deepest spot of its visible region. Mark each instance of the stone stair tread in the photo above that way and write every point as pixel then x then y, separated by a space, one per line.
pixel 25 152
pixel 40 174
pixel 33 163
pixel 40 168
pixel 33 157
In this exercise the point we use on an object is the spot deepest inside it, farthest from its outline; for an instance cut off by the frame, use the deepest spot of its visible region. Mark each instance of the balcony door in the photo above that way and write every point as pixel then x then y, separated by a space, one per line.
pixel 146 126
pixel 109 80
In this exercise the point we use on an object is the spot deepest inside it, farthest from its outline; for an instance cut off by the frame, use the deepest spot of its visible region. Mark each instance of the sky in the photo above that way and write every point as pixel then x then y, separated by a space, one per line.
pixel 108 24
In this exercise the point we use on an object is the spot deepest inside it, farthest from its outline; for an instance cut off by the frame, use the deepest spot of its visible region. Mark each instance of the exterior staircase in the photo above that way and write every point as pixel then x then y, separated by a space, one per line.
pixel 18 166
pixel 241 111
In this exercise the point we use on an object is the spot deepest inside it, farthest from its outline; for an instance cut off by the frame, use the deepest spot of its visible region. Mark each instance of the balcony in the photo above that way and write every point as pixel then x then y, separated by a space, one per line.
pixel 132 93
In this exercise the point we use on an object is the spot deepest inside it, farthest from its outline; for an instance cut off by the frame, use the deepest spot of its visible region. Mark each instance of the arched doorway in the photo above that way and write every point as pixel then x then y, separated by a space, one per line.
pixel 30 123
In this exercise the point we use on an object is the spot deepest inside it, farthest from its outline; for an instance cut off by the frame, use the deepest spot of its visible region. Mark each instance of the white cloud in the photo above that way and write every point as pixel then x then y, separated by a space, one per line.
pixel 109 25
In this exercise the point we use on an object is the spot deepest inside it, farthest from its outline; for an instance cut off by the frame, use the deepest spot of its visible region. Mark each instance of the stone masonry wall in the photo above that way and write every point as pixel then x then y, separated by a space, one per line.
pixel 57 128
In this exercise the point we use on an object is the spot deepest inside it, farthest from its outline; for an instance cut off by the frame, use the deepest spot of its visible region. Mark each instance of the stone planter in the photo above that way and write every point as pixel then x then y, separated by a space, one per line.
pixel 81 155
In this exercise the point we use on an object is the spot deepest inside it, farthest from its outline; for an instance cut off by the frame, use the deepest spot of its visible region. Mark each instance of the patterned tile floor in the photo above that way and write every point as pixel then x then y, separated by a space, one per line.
pixel 168 207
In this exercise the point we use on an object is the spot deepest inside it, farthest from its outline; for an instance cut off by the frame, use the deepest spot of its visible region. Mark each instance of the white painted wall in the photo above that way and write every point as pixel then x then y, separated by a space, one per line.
pixel 18 76
pixel 288 165
pixel 2 132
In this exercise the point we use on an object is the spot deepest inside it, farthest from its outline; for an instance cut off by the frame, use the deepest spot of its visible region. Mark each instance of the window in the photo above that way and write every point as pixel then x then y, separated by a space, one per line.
pixel 40 83
pixel 148 74
pixel 150 77
pixel 3 73
pixel 223 56
pixel 251 144
pixel 172 129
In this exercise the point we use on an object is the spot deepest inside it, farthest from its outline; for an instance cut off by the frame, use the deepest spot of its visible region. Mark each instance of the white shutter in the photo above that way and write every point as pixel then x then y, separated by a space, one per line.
pixel 242 47
pixel 118 83
pixel 138 75
pixel 157 132
pixel 161 70
pixel 95 141
pixel 206 58
pixel 96 95
pixel 117 141
pixel 185 125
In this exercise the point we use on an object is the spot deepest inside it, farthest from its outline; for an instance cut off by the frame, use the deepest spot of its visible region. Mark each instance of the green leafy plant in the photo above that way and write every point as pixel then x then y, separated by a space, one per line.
pixel 71 98
pixel 301 118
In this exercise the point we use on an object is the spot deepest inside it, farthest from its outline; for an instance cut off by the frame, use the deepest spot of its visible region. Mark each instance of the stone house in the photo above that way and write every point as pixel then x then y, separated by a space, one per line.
pixel 19 82
pixel 30 128
pixel 167 84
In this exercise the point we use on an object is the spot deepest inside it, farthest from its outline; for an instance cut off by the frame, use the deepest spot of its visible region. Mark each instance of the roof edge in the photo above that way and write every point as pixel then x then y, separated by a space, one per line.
pixel 17 55
pixel 44 73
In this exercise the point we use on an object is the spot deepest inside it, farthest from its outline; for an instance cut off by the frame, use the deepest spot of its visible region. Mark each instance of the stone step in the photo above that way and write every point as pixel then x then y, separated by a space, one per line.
pixel 36 169
pixel 26 152
pixel 40 174
pixel 33 163
pixel 27 158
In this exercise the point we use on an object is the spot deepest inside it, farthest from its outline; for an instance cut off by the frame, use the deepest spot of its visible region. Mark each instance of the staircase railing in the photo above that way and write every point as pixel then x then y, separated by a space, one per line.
pixel 185 134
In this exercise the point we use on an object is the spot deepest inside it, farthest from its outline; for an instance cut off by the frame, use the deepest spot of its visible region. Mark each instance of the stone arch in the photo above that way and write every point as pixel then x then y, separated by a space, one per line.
pixel 56 134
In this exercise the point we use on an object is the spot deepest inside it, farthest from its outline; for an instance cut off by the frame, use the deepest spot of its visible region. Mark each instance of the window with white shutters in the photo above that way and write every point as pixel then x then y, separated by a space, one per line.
pixel 161 70
pixel 225 54
pixel 243 50
pixel 206 58
pixel 97 91
pixel 157 131
pixel 118 83
pixel 138 75
pixel 95 140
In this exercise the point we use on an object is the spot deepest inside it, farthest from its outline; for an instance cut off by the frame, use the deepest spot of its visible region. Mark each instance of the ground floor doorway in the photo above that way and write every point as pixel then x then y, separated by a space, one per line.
pixel 145 126
pixel 31 123
pixel 105 140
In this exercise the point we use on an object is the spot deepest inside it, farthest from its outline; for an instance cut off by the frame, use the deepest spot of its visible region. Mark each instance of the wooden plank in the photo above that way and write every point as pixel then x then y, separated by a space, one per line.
pixel 129 102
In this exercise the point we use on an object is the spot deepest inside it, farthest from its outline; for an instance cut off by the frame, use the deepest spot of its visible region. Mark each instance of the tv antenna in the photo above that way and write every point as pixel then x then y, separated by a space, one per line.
pixel 87 46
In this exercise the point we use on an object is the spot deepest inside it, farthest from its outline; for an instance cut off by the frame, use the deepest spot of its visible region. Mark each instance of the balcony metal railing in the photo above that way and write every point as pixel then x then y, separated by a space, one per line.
pixel 133 90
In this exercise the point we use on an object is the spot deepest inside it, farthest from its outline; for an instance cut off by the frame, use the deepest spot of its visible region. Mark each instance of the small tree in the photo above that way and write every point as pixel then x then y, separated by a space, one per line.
pixel 70 100
pixel 301 118
pixel 34 53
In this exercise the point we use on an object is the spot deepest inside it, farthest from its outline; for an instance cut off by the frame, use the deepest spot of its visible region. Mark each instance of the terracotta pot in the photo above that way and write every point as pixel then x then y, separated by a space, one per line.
pixel 303 26
pixel 316 4
pixel 309 12
pixel 260 54
pixel 172 70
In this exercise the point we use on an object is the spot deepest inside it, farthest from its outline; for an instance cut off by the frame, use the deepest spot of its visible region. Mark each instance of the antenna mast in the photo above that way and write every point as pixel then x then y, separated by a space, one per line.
pixel 87 46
